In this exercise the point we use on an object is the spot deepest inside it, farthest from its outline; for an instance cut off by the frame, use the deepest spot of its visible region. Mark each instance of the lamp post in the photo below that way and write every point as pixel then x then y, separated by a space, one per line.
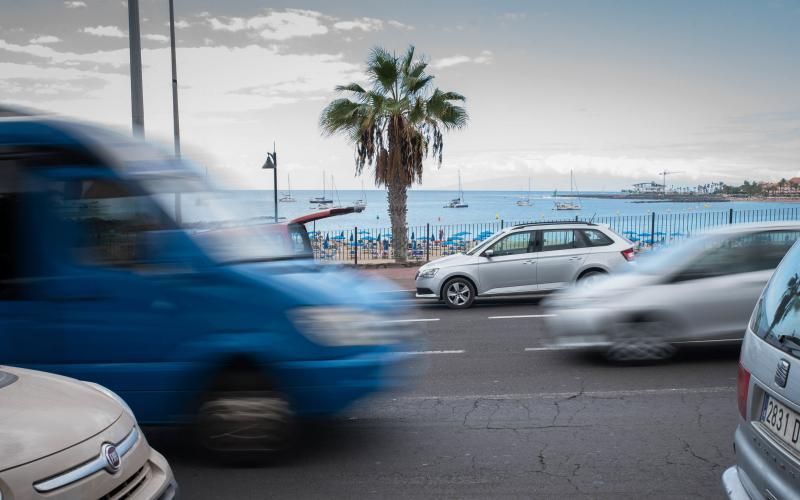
pixel 176 129
pixel 272 162
pixel 137 100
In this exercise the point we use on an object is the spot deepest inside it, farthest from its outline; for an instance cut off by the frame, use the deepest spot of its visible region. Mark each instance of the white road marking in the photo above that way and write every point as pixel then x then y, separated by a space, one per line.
pixel 667 391
pixel 523 316
pixel 555 348
pixel 398 291
pixel 414 320
pixel 454 351
pixel 707 341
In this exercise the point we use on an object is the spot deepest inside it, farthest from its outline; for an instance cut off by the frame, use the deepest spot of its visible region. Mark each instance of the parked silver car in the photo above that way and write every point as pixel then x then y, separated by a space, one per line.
pixel 767 439
pixel 525 259
pixel 700 290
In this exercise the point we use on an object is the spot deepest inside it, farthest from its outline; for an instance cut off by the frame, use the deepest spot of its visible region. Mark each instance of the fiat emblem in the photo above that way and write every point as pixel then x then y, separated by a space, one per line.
pixel 109 453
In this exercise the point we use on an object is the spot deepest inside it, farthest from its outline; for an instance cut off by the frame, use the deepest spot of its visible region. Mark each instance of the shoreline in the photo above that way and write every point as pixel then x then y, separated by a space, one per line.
pixel 686 199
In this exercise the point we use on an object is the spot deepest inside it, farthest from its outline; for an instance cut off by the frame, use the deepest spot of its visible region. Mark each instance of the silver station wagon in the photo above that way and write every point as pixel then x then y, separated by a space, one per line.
pixel 767 439
pixel 527 258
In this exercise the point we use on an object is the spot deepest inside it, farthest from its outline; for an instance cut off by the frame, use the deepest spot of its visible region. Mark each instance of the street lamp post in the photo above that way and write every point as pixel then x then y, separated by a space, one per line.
pixel 134 40
pixel 175 123
pixel 272 162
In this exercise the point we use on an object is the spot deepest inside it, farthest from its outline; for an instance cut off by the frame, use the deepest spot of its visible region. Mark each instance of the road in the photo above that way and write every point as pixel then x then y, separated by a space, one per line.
pixel 497 415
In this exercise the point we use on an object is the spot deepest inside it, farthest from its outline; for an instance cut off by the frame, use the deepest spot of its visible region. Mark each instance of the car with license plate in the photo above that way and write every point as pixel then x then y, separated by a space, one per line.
pixel 62 438
pixel 767 438
pixel 524 259
pixel 698 291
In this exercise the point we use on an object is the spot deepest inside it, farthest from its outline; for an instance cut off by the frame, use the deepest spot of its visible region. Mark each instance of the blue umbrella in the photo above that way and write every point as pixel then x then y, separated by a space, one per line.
pixel 634 238
pixel 363 232
pixel 337 238
pixel 368 238
pixel 351 237
pixel 631 233
pixel 462 233
pixel 455 238
pixel 644 234
pixel 412 236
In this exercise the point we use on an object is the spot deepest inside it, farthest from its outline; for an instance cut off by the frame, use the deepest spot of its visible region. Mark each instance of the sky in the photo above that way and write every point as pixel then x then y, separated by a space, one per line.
pixel 615 91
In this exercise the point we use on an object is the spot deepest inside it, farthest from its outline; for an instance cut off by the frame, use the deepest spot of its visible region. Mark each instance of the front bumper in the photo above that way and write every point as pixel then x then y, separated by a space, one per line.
pixel 579 328
pixel 326 387
pixel 143 474
pixel 428 288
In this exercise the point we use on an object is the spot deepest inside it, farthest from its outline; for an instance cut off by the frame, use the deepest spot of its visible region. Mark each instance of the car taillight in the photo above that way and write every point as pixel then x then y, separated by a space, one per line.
pixel 742 387
pixel 628 254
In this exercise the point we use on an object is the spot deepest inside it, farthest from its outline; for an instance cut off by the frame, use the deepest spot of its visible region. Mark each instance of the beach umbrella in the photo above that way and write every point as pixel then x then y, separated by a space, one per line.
pixel 368 238
pixel 412 236
pixel 326 238
pixel 634 239
pixel 630 233
pixel 645 234
pixel 462 233
pixel 351 237
pixel 363 232
pixel 659 233
pixel 455 238
pixel 337 238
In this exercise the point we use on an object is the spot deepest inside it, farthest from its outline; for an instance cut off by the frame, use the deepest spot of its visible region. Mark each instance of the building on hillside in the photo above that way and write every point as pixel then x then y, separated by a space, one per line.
pixel 647 188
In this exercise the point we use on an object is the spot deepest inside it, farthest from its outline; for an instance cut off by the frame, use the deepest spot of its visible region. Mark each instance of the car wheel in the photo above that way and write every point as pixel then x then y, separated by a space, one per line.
pixel 458 293
pixel 590 277
pixel 244 426
pixel 638 341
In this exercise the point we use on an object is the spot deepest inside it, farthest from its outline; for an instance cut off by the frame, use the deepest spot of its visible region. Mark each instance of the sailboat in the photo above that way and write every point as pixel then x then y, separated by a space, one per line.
pixel 287 197
pixel 361 203
pixel 458 202
pixel 321 201
pixel 569 203
pixel 336 193
pixel 526 202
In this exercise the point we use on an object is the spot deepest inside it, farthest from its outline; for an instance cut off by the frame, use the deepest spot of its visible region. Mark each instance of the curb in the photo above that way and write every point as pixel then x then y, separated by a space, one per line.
pixel 385 265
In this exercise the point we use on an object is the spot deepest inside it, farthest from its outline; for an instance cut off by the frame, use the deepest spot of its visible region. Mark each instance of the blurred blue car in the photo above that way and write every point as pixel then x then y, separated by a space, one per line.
pixel 121 267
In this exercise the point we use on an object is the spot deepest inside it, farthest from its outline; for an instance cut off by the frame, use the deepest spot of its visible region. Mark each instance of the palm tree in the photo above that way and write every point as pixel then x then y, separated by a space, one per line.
pixel 394 124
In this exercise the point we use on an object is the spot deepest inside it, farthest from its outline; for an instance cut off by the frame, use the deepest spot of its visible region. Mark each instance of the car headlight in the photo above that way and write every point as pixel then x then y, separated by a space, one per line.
pixel 428 273
pixel 345 326
pixel 113 395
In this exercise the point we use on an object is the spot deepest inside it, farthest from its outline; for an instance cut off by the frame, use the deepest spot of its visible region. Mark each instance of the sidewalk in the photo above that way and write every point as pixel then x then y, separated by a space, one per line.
pixel 402 276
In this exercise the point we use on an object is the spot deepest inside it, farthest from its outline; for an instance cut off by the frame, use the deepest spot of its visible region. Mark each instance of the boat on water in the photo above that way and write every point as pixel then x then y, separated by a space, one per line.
pixel 361 203
pixel 458 202
pixel 287 196
pixel 526 202
pixel 321 201
pixel 569 203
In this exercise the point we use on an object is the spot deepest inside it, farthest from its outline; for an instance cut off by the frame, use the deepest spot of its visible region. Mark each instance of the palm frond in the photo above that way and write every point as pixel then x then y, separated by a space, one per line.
pixel 382 70
pixel 350 87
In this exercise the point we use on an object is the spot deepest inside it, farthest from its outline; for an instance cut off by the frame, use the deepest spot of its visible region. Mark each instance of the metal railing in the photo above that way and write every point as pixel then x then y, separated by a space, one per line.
pixel 431 241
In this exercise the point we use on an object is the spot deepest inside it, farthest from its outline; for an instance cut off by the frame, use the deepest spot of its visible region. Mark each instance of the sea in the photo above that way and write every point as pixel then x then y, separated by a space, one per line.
pixel 427 206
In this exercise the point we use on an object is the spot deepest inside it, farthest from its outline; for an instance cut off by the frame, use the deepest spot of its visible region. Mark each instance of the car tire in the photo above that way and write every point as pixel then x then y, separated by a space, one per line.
pixel 243 422
pixel 590 277
pixel 458 293
pixel 640 341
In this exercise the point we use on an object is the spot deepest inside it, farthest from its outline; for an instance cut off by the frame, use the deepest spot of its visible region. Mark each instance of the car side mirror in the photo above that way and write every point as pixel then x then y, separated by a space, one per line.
pixel 488 253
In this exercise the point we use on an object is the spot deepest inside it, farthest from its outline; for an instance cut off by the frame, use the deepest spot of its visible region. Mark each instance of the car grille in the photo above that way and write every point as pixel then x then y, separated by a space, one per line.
pixel 129 487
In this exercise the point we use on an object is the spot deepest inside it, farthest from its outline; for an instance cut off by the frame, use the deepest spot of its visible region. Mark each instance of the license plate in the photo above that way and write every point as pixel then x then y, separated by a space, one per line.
pixel 781 421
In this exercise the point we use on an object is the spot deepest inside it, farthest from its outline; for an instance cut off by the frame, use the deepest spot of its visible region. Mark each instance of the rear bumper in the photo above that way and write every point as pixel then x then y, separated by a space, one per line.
pixel 734 488
pixel 326 387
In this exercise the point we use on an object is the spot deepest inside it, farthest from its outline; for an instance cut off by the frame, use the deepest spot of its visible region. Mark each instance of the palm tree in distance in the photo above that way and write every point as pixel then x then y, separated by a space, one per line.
pixel 394 124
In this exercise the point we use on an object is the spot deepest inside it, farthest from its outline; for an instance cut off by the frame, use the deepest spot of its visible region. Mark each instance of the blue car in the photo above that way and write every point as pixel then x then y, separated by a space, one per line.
pixel 122 267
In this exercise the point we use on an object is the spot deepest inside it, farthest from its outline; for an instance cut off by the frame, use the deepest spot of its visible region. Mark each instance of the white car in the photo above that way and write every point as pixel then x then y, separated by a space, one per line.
pixel 701 290
pixel 527 258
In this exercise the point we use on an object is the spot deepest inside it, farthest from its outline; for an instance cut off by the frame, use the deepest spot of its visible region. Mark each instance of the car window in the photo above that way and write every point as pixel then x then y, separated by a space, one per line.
pixel 109 219
pixel 595 238
pixel 558 239
pixel 514 243
pixel 741 254
pixel 778 310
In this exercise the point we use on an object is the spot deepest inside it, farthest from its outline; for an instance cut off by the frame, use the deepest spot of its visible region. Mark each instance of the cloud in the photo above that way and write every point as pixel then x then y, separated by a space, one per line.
pixel 156 38
pixel 485 57
pixel 110 31
pixel 74 4
pixel 275 25
pixel 182 24
pixel 399 25
pixel 45 39
pixel 362 23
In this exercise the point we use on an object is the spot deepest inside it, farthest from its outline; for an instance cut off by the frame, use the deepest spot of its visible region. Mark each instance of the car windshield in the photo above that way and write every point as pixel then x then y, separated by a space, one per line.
pixel 778 312
pixel 486 244
pixel 228 226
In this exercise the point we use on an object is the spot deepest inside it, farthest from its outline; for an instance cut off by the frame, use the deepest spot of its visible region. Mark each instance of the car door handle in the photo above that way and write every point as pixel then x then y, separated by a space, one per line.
pixel 532 261
pixel 577 257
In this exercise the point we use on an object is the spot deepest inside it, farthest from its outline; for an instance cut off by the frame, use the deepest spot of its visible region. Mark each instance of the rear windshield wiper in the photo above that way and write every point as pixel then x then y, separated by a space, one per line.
pixel 790 339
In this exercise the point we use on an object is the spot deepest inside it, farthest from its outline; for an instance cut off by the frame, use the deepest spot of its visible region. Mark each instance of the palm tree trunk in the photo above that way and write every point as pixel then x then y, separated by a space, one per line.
pixel 397 197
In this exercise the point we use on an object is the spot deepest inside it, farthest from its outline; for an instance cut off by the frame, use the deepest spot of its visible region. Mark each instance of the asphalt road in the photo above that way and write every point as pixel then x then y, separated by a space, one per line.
pixel 496 415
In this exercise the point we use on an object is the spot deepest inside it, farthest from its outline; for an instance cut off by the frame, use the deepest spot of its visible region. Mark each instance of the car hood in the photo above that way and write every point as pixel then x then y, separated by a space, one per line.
pixel 608 288
pixel 449 260
pixel 42 414
pixel 310 283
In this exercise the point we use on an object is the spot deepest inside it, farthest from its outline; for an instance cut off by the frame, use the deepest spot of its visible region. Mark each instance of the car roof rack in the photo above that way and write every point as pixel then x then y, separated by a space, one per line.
pixel 555 223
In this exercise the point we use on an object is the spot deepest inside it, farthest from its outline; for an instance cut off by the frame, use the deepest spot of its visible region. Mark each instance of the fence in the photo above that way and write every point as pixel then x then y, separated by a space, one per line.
pixel 431 241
